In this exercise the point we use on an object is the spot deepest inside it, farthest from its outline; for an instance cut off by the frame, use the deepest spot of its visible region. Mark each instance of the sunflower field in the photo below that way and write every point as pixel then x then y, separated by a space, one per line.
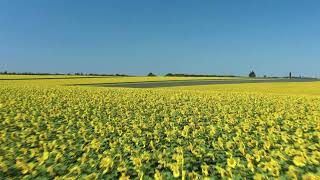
pixel 66 132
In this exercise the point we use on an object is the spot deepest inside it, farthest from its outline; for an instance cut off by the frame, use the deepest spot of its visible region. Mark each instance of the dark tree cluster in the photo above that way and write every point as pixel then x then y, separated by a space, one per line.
pixel 252 74
pixel 151 74
pixel 68 74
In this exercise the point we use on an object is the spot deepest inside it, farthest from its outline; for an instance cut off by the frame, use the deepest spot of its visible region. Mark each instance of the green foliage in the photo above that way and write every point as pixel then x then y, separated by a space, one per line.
pixel 252 74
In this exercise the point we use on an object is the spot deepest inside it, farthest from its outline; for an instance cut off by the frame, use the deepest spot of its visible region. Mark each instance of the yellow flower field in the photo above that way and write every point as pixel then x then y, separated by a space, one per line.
pixel 284 88
pixel 52 131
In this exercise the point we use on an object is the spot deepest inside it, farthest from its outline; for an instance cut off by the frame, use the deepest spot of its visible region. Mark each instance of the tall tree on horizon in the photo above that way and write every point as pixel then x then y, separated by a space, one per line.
pixel 252 74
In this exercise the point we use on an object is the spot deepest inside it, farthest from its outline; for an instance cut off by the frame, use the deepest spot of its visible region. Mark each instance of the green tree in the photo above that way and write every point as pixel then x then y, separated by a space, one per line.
pixel 151 74
pixel 252 74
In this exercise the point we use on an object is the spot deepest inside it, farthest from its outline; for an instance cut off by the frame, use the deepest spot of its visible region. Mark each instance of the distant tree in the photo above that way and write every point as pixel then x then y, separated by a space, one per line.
pixel 151 74
pixel 252 74
pixel 265 76
pixel 290 75
pixel 169 74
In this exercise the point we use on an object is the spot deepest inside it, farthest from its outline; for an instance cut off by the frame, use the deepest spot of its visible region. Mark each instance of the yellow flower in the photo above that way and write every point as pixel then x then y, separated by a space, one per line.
pixel 258 176
pixel 299 132
pixel 310 176
pixel 76 169
pixel 221 171
pixel 183 176
pixel 250 166
pixel 137 162
pixel 50 170
pixel 292 172
pixel 91 176
pixel 141 174
pixel 122 167
pixel 32 152
pixel 212 131
pixel 205 169
pixel 58 157
pixel 44 157
pixel 193 175
pixel 84 159
pixel 220 142
pixel 3 165
pixel 292 175
pixel 106 164
pixel 175 170
pixel 124 177
pixel 157 175
pixel 242 148
pixel 266 145
pixel 275 172
pixel 229 145
pixel 299 161
pixel 232 163
pixel 179 158
pixel 22 165
pixel 185 131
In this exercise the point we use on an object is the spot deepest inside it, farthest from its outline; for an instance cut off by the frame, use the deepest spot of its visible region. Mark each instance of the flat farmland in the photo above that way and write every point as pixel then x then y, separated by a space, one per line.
pixel 74 129
pixel 194 82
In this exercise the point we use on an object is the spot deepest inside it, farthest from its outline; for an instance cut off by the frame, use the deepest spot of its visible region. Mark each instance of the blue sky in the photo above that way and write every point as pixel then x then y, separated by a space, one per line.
pixel 272 37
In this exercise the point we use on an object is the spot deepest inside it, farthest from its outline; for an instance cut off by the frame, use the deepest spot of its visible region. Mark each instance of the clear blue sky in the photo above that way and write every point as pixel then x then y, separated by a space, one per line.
pixel 135 37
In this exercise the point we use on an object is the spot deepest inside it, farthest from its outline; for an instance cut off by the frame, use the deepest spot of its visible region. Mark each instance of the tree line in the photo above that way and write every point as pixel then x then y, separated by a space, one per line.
pixel 66 74
pixel 191 75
